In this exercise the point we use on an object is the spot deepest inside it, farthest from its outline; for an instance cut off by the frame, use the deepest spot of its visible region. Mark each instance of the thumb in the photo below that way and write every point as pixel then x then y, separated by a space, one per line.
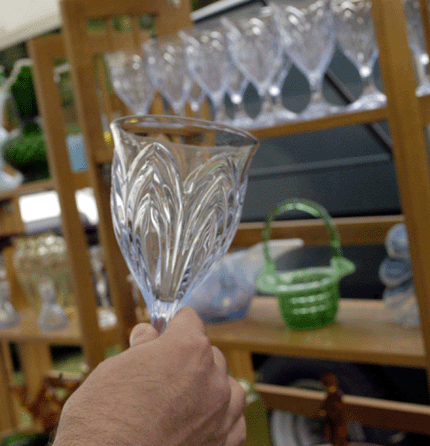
pixel 142 333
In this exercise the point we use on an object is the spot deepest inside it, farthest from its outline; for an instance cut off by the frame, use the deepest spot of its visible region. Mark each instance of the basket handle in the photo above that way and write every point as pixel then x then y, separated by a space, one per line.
pixel 310 207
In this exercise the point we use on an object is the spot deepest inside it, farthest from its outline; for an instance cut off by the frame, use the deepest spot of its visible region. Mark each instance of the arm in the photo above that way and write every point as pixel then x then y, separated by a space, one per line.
pixel 167 390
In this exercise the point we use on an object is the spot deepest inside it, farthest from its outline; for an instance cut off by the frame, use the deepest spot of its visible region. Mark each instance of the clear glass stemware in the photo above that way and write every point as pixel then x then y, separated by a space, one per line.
pixel 51 316
pixel 168 70
pixel 178 186
pixel 210 64
pixel 309 39
pixel 356 37
pixel 256 48
pixel 130 79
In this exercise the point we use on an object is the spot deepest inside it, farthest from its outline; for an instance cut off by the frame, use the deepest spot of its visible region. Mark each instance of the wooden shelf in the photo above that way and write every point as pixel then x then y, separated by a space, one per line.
pixel 28 331
pixel 333 121
pixel 362 333
pixel 105 154
pixel 352 230
pixel 27 188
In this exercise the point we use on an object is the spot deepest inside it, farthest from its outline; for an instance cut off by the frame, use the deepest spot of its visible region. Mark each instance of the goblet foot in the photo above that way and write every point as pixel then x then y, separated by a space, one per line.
pixel 244 122
pixel 106 317
pixel 319 110
pixel 8 316
pixel 423 89
pixel 284 115
pixel 52 317
pixel 368 102
pixel 263 120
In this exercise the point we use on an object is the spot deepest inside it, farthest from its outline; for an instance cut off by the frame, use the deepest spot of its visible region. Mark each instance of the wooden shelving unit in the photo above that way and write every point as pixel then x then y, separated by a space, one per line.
pixel 362 332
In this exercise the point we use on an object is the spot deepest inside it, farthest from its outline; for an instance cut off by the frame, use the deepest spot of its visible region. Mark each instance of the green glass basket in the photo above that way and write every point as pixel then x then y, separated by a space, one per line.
pixel 308 298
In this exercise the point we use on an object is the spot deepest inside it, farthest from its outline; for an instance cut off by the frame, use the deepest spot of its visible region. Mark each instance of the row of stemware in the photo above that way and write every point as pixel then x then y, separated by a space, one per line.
pixel 42 272
pixel 259 48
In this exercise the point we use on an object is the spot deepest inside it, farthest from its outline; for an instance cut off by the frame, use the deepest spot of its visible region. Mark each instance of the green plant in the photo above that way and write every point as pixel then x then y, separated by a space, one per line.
pixel 24 95
pixel 27 154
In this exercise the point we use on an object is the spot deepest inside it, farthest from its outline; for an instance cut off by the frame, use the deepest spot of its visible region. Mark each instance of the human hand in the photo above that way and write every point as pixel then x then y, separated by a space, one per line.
pixel 167 390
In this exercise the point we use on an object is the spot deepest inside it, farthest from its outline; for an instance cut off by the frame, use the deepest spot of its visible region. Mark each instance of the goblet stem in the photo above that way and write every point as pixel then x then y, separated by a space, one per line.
pixel 196 109
pixel 220 112
pixel 276 94
pixel 179 109
pixel 240 118
pixel 240 111
pixel 163 314
pixel 421 66
pixel 240 114
pixel 369 86
pixel 318 105
pixel 265 117
pixel 266 104
pixel 280 112
pixel 370 97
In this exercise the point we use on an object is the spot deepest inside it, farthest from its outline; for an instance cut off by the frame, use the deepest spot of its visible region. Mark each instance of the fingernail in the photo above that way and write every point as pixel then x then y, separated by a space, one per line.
pixel 142 333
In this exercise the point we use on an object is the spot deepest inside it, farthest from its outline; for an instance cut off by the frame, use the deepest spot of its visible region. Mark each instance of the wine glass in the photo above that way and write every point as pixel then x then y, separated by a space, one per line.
pixel 309 39
pixel 51 315
pixel 210 64
pixel 356 37
pixel 417 44
pixel 168 70
pixel 255 45
pixel 178 186
pixel 130 79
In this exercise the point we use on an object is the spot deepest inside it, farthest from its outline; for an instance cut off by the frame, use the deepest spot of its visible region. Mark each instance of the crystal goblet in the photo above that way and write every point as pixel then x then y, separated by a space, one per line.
pixel 255 45
pixel 356 37
pixel 168 70
pixel 309 39
pixel 210 64
pixel 178 186
pixel 130 79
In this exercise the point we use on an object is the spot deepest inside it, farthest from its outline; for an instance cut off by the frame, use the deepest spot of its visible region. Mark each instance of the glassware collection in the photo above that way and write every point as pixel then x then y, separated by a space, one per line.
pixel 258 48
pixel 42 272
